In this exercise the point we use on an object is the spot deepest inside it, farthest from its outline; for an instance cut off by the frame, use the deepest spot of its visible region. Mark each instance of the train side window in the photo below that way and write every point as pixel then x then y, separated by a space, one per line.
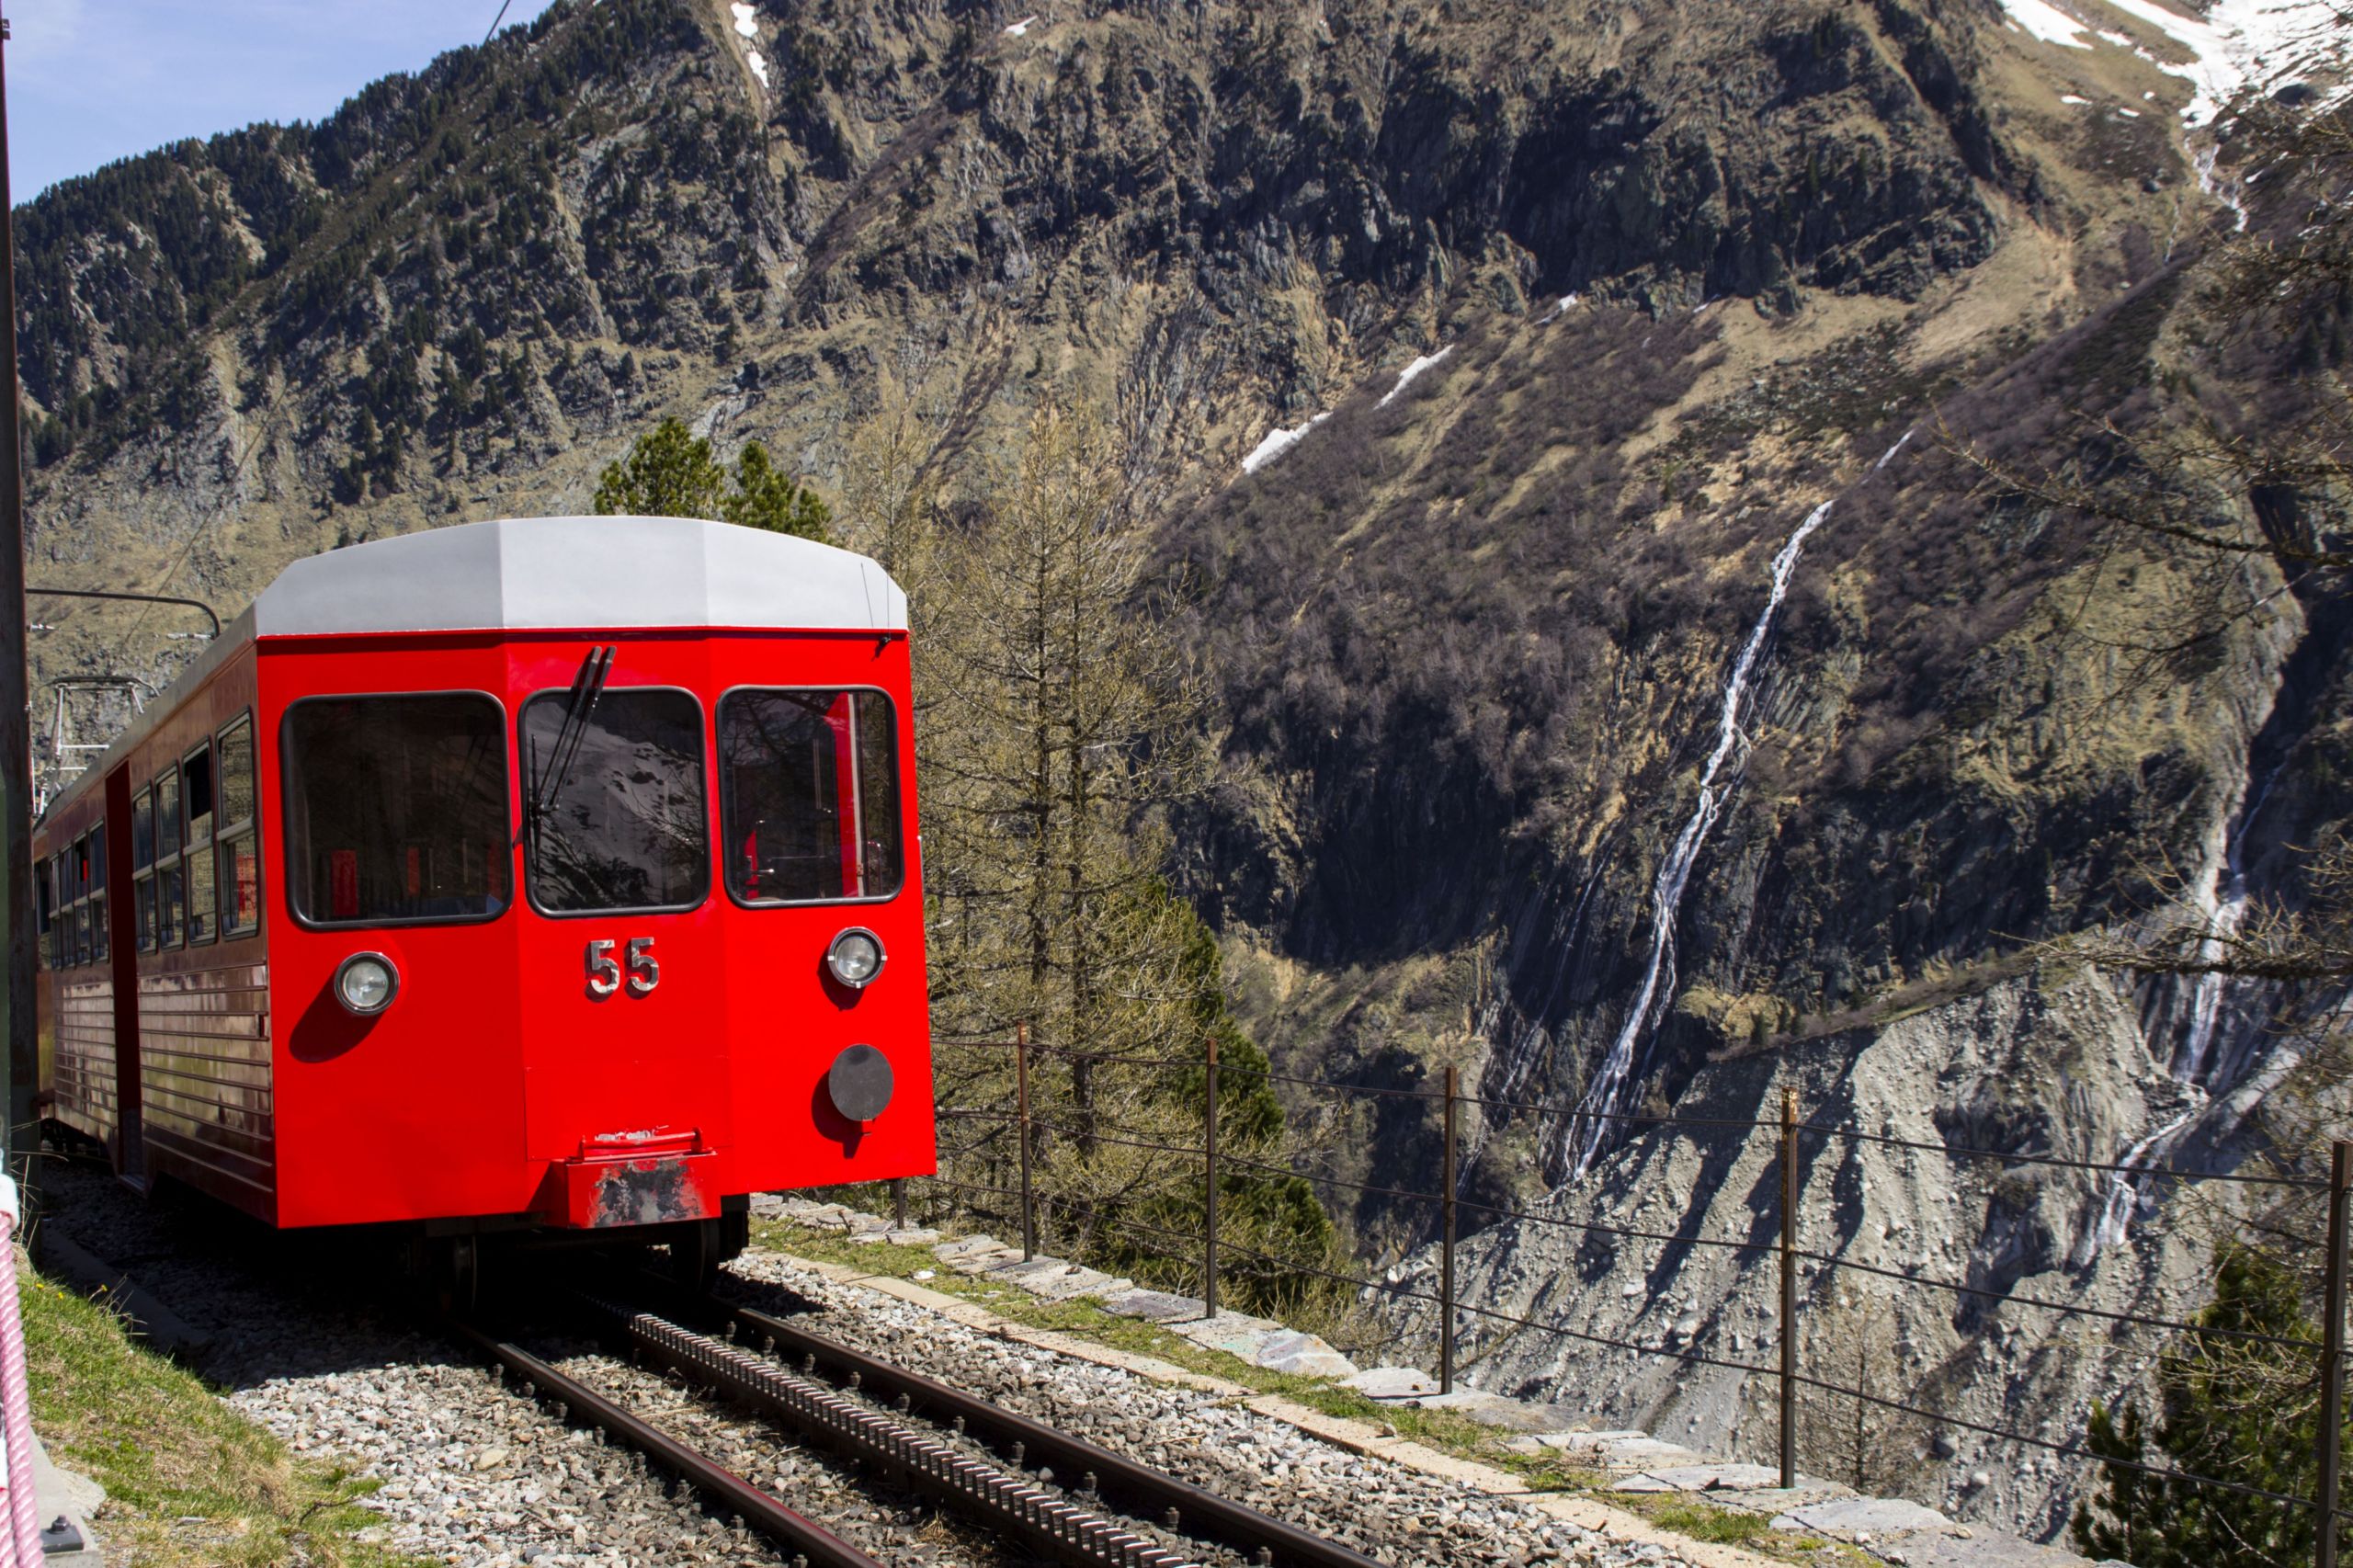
pixel 61 928
pixel 142 868
pixel 239 845
pixel 98 932
pixel 396 808
pixel 625 826
pixel 78 860
pixel 44 908
pixel 809 796
pixel 171 884
pixel 196 853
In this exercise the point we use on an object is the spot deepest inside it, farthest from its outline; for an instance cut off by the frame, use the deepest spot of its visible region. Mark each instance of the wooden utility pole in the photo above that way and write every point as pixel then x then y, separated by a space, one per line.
pixel 15 703
pixel 2332 1357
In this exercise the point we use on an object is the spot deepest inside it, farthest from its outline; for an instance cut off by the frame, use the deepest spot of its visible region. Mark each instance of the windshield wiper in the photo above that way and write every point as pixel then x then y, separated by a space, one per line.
pixel 587 686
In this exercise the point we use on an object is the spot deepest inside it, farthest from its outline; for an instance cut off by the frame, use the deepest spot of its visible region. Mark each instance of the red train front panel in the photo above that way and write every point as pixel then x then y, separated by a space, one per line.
pixel 611 999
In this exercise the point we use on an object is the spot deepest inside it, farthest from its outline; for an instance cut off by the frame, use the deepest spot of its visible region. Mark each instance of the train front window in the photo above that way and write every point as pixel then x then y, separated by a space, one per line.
pixel 396 808
pixel 620 821
pixel 810 796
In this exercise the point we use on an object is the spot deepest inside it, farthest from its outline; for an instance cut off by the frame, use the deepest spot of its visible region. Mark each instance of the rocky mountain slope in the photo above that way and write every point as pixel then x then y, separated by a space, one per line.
pixel 1577 312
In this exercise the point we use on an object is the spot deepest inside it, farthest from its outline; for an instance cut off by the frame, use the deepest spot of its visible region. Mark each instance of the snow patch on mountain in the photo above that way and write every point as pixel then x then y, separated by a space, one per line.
pixel 2046 22
pixel 1278 442
pixel 1405 376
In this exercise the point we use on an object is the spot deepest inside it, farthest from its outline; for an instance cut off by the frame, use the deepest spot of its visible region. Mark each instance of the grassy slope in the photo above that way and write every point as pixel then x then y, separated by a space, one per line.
pixel 189 1480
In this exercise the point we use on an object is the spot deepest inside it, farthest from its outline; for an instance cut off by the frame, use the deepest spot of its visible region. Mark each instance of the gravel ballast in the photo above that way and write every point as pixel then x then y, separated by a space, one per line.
pixel 475 1474
pixel 311 1340
pixel 1382 1509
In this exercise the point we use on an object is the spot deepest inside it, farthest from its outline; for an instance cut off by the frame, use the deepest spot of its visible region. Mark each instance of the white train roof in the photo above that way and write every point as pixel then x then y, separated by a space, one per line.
pixel 526 574
pixel 522 574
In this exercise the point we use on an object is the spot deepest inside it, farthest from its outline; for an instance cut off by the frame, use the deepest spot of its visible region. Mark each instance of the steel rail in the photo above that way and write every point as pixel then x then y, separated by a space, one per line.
pixel 803 1536
pixel 1001 1500
pixel 1138 1488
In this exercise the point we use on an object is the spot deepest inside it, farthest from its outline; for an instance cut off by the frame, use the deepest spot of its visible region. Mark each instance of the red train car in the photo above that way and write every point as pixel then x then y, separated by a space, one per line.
pixel 555 875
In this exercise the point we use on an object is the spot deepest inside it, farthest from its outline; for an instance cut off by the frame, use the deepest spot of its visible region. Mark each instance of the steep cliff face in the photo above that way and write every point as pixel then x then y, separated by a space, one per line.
pixel 469 288
pixel 1578 313
pixel 1481 653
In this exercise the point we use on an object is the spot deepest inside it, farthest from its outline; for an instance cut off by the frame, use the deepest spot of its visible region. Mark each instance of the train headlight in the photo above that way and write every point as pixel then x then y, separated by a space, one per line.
pixel 365 983
pixel 855 958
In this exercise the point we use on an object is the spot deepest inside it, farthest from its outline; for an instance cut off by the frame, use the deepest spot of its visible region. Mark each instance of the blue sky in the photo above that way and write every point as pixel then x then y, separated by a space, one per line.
pixel 91 80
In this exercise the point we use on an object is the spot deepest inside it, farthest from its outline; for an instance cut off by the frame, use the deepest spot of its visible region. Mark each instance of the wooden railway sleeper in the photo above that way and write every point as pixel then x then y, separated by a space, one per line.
pixel 995 1497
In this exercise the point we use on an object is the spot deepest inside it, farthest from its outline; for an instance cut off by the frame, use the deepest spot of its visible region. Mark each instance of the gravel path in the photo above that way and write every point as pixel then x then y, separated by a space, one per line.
pixel 1389 1512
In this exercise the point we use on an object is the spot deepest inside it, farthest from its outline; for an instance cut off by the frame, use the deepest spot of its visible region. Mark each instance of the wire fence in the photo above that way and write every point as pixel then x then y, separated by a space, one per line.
pixel 1206 1254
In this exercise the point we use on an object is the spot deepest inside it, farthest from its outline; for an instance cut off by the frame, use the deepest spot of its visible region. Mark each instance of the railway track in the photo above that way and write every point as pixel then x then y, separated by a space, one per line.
pixel 1061 1498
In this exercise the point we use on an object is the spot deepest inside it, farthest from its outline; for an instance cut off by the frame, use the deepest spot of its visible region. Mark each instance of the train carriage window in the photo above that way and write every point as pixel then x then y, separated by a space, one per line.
pixel 171 906
pixel 142 868
pixel 98 932
pixel 79 862
pixel 60 929
pixel 45 909
pixel 171 883
pixel 238 847
pixel 396 808
pixel 196 853
pixel 810 802
pixel 167 814
pixel 624 825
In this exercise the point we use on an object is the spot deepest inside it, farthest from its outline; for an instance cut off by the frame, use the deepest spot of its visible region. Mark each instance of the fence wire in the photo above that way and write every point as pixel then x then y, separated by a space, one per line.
pixel 1210 1249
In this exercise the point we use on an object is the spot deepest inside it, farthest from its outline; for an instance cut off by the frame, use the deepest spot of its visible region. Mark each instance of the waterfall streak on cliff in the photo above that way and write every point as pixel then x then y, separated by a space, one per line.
pixel 1602 1097
pixel 2230 914
pixel 2126 1189
pixel 2229 904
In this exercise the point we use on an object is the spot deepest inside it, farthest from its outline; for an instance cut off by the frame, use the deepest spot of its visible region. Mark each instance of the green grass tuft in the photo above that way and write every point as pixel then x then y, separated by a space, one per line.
pixel 190 1482
pixel 1702 1522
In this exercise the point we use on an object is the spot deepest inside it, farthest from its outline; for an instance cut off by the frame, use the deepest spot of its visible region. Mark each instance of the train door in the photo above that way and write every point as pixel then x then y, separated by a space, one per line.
pixel 126 829
pixel 626 1073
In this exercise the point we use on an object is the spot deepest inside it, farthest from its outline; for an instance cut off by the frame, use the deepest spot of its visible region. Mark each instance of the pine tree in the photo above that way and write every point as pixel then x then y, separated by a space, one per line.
pixel 2222 1417
pixel 670 473
pixel 1061 722
pixel 766 498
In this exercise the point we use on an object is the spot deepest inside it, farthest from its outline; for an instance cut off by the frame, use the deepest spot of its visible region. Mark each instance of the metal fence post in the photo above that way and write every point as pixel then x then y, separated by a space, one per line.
pixel 1021 1078
pixel 1209 1189
pixel 1790 1285
pixel 1446 1256
pixel 2331 1362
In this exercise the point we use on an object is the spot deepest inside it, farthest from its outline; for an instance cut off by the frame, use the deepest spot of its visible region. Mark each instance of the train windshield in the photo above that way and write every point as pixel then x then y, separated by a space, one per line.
pixel 810 806
pixel 396 808
pixel 620 824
